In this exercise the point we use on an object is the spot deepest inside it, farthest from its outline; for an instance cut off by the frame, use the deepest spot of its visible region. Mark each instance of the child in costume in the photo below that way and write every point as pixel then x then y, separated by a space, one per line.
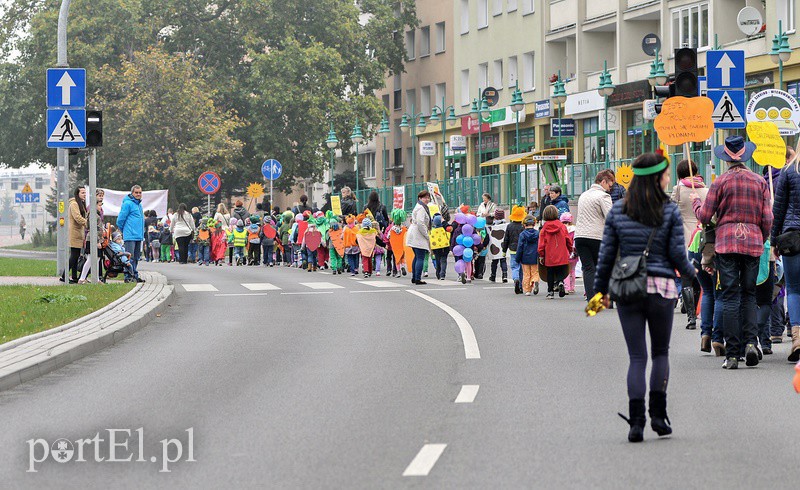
pixel 165 237
pixel 483 251
pixel 239 240
pixel 397 238
pixel 229 236
pixel 202 236
pixel 497 232
pixel 219 242
pixel 555 247
pixel 569 282
pixel 254 241
pixel 322 220
pixel 367 243
pixel 268 235
pixel 154 242
pixel 300 227
pixel 510 241
pixel 351 250
pixel 440 245
pixel 309 246
pixel 336 246
pixel 284 232
pixel 528 256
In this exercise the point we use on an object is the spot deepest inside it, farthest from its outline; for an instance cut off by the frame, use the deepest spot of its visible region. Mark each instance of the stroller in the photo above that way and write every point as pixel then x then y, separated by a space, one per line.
pixel 112 264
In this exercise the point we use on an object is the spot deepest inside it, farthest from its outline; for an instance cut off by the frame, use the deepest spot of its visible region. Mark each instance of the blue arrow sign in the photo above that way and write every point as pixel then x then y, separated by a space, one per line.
pixel 66 87
pixel 729 108
pixel 725 69
pixel 66 128
pixel 26 197
pixel 271 169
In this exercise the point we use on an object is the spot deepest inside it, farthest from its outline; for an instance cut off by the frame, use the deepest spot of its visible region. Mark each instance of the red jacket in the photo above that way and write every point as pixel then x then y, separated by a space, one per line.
pixel 555 244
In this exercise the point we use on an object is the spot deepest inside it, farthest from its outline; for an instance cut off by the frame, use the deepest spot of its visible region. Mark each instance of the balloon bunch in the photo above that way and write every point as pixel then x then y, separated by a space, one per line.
pixel 467 239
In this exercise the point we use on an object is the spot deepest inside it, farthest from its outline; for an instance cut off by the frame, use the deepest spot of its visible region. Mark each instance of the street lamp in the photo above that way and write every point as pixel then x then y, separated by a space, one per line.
pixel 331 143
pixel 479 111
pixel 605 89
pixel 560 96
pixel 383 131
pixel 517 105
pixel 437 116
pixel 357 138
pixel 409 123
pixel 657 74
pixel 781 52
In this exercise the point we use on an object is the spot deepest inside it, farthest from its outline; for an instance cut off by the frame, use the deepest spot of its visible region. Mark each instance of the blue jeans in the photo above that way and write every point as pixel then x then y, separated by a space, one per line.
pixel 266 253
pixel 420 254
pixel 352 262
pixel 134 247
pixel 512 262
pixel 203 253
pixel 710 308
pixel 193 251
pixel 737 277
pixel 791 271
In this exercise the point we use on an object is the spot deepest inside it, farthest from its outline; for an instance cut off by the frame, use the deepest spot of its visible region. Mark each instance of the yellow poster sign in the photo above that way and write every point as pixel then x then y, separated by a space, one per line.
pixel 770 147
pixel 255 190
pixel 336 205
pixel 27 189
pixel 685 119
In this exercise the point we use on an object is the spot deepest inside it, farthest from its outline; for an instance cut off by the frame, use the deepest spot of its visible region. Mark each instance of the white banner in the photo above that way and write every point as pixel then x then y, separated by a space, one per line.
pixel 156 200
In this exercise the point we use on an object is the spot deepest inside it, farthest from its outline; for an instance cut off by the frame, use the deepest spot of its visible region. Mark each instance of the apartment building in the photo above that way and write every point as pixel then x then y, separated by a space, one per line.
pixel 15 181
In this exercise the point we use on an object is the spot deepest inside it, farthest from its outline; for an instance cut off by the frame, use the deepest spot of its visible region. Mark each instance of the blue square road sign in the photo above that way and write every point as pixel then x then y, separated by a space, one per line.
pixel 725 69
pixel 66 87
pixel 66 128
pixel 729 108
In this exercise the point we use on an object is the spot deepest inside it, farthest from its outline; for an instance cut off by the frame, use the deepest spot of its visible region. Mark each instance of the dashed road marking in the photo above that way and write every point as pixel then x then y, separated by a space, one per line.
pixel 195 288
pixel 467 394
pixel 260 286
pixel 377 291
pixel 321 285
pixel 382 284
pixel 423 462
pixel 241 294
pixel 471 350
pixel 309 292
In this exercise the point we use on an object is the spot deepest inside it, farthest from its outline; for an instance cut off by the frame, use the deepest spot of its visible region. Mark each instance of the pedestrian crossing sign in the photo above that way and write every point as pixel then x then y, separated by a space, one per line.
pixel 66 128
pixel 729 108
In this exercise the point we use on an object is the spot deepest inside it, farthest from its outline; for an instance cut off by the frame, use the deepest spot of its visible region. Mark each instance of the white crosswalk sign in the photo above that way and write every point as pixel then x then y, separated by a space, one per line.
pixel 65 128
pixel 728 108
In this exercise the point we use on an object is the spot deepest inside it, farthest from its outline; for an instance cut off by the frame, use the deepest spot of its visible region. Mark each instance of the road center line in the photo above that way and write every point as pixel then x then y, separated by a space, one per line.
pixel 467 394
pixel 471 350
pixel 424 460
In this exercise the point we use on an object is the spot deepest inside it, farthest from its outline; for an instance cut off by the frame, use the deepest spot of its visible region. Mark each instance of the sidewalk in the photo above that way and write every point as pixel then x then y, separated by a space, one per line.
pixel 29 281
pixel 32 356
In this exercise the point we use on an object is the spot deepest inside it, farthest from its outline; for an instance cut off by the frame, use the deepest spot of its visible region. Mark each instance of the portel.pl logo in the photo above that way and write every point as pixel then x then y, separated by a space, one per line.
pixel 115 447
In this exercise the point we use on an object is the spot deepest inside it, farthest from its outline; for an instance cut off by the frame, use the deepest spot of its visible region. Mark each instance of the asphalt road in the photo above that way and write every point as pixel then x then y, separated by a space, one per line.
pixel 292 385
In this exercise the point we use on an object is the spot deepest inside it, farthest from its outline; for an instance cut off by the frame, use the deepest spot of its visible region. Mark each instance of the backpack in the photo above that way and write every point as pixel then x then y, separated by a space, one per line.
pixel 252 237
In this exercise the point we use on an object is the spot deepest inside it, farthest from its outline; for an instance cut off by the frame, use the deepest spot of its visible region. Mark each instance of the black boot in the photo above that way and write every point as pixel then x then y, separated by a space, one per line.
pixel 691 312
pixel 517 287
pixel 659 421
pixel 636 420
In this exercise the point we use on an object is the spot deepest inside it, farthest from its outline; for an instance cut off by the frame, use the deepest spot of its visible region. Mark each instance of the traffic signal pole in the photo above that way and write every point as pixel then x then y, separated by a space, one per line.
pixel 62 161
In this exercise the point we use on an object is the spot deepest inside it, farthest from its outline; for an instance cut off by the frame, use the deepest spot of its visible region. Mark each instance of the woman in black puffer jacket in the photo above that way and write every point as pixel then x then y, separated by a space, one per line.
pixel 646 211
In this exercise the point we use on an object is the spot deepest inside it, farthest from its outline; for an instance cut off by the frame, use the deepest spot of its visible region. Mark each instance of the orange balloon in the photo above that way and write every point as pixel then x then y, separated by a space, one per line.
pixel 685 119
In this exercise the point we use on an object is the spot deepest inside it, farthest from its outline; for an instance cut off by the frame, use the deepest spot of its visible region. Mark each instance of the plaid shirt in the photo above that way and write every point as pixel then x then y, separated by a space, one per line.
pixel 740 199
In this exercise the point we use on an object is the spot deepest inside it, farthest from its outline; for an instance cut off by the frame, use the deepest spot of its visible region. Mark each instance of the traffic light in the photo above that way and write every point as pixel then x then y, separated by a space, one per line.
pixel 686 84
pixel 664 92
pixel 94 129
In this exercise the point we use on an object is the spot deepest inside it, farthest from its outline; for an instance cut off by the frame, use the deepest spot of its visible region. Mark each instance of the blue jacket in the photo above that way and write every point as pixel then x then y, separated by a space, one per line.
pixel 131 219
pixel 528 247
pixel 617 192
pixel 786 208
pixel 562 204
pixel 629 237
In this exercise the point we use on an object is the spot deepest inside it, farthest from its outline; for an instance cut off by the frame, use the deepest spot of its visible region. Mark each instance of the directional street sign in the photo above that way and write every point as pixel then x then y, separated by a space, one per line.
pixel 702 86
pixel 271 169
pixel 66 128
pixel 729 108
pixel 66 87
pixel 725 69
pixel 26 197
pixel 209 182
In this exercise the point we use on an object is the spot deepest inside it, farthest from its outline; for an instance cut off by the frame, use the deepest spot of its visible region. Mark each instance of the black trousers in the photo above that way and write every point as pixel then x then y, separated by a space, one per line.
pixel 737 279
pixel 74 255
pixel 589 252
pixel 183 248
pixel 503 267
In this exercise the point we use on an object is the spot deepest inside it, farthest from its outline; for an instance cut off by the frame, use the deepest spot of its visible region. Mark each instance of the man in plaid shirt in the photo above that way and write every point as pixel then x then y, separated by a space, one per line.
pixel 740 200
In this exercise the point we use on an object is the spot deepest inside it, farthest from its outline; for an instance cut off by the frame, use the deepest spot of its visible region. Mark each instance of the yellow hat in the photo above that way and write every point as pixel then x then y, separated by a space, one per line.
pixel 517 214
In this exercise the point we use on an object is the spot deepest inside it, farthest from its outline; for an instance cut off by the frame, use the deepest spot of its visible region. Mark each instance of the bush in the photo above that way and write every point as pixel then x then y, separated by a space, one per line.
pixel 41 239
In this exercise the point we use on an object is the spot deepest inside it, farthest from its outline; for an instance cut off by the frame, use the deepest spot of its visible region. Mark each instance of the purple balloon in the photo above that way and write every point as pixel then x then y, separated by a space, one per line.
pixel 467 230
pixel 460 267
pixel 472 219
pixel 460 218
pixel 476 238
pixel 458 250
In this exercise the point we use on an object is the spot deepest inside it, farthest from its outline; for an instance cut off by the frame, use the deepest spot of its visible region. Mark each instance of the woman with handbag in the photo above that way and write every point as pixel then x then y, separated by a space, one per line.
pixel 642 247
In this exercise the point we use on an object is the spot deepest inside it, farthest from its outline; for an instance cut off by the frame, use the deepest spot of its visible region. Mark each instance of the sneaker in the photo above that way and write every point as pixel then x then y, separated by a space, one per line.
pixel 377 274
pixel 492 279
pixel 731 363
pixel 751 355
pixel 424 274
pixel 535 288
pixel 550 295
pixel 463 278
pixel 505 279
pixel 517 287
pixel 767 351
pixel 403 271
pixel 776 339
pixel 561 291
pixel 528 293
pixel 366 275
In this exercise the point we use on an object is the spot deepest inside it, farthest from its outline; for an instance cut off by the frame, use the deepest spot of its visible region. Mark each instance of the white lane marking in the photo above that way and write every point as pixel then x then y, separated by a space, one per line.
pixel 193 288
pixel 423 462
pixel 471 350
pixel 448 282
pixel 444 289
pixel 312 292
pixel 260 286
pixel 242 294
pixel 498 287
pixel 382 284
pixel 377 291
pixel 357 278
pixel 467 394
pixel 321 285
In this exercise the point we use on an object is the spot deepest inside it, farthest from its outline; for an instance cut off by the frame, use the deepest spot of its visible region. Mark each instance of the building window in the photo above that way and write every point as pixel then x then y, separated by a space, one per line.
pixel 398 102
pixel 483 14
pixel 497 74
pixel 385 99
pixel 411 49
pixel 425 100
pixel 512 71
pixel 39 182
pixel 512 5
pixel 440 41
pixel 527 7
pixel 594 142
pixel 497 7
pixel 439 94
pixel 527 141
pixel 690 26
pixel 465 87
pixel 528 80
pixel 367 162
pixel 786 14
pixel 464 16
pixel 14 183
pixel 425 41
pixel 483 75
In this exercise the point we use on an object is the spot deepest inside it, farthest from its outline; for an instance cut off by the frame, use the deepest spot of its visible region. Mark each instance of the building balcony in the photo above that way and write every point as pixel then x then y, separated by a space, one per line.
pixel 596 9
pixel 638 71
pixel 563 13
pixel 593 79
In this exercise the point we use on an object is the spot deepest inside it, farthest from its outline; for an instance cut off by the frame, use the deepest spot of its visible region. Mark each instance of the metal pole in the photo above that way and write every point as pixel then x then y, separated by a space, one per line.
pixel 384 161
pixel 270 190
pixel 444 142
pixel 413 150
pixel 606 128
pixel 780 61
pixel 93 260
pixel 62 160
pixel 357 187
pixel 333 173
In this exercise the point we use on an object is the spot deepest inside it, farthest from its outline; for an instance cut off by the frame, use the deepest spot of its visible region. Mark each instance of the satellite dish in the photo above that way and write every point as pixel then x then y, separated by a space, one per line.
pixel 750 21
pixel 651 43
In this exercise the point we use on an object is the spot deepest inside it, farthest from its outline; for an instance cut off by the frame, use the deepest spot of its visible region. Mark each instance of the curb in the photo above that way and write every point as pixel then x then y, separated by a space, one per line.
pixel 35 355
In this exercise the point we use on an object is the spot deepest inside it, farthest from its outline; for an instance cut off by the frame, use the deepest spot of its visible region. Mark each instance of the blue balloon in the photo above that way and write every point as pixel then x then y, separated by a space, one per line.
pixel 460 239
pixel 467 241
pixel 468 254
pixel 480 223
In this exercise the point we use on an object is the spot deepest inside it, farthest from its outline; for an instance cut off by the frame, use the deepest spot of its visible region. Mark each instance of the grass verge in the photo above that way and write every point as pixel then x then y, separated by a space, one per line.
pixel 30 309
pixel 30 246
pixel 26 267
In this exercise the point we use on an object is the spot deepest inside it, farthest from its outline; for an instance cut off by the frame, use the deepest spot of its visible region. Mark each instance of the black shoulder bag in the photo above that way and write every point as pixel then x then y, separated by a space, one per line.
pixel 628 283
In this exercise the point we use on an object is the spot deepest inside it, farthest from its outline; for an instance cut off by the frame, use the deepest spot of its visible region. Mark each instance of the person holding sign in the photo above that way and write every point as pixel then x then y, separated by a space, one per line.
pixel 741 201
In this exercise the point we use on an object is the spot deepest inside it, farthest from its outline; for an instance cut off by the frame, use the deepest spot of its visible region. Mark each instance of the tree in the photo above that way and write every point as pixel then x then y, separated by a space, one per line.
pixel 8 215
pixel 51 203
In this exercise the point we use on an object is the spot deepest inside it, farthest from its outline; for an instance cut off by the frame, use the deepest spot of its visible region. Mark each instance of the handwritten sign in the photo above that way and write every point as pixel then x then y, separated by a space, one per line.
pixel 398 197
pixel 685 119
pixel 336 205
pixel 770 147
